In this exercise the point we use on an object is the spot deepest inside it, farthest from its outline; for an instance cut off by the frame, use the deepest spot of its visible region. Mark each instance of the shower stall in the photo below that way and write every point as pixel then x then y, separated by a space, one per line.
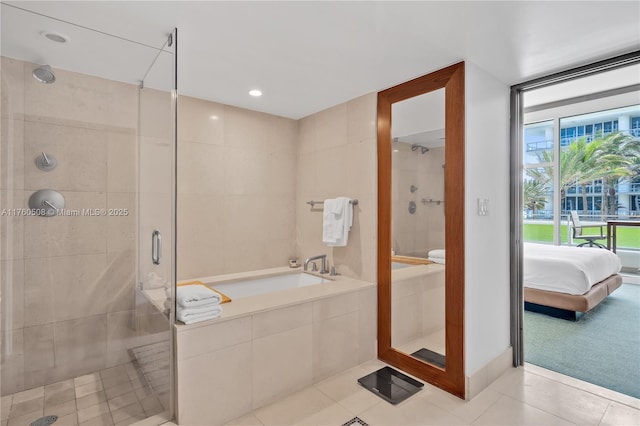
pixel 87 193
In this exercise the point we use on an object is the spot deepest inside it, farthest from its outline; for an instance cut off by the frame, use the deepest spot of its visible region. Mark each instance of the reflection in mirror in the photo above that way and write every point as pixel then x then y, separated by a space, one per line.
pixel 418 227
pixel 418 175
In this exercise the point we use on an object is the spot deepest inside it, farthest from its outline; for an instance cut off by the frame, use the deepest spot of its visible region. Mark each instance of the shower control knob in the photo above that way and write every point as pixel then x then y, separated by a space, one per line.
pixel 45 162
pixel 46 202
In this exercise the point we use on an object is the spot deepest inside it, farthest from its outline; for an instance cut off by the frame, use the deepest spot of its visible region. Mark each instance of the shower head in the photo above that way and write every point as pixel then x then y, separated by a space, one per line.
pixel 44 74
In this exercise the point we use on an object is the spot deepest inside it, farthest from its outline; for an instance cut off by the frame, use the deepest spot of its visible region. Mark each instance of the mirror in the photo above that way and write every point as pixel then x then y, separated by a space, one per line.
pixel 420 212
pixel 417 227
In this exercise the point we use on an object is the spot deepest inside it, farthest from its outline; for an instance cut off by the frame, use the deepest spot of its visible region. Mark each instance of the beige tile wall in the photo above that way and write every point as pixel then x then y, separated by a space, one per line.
pixel 67 282
pixel 226 369
pixel 244 177
pixel 337 157
pixel 417 307
pixel 236 189
pixel 416 234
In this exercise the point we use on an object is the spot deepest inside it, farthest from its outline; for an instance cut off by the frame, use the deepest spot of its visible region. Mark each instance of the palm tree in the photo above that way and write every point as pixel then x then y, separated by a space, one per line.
pixel 586 168
pixel 608 158
pixel 619 160
pixel 576 166
pixel 534 195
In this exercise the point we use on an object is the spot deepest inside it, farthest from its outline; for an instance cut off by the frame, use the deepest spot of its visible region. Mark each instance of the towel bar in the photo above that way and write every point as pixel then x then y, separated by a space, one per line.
pixel 313 203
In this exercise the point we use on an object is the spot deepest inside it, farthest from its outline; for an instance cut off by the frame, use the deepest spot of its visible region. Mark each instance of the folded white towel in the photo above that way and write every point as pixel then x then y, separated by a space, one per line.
pixel 198 310
pixel 337 220
pixel 439 260
pixel 437 253
pixel 195 295
pixel 188 318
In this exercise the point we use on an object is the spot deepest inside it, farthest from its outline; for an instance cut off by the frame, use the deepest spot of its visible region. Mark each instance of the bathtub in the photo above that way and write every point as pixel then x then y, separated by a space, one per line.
pixel 262 285
pixel 400 265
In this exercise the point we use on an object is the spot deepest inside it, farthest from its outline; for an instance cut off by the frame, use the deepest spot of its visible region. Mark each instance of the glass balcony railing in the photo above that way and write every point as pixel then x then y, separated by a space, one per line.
pixel 539 145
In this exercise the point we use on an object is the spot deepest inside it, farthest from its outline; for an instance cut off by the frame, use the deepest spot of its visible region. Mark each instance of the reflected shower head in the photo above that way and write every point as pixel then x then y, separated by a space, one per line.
pixel 423 149
pixel 44 74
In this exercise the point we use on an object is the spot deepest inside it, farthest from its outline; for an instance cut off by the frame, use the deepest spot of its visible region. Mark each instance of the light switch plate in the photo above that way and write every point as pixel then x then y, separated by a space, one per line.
pixel 483 207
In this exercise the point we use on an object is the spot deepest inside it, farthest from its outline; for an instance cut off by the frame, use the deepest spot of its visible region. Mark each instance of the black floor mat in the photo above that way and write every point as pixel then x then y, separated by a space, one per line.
pixel 390 385
pixel 431 357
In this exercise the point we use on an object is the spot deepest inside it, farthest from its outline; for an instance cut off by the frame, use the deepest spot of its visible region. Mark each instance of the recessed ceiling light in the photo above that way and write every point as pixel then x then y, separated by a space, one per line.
pixel 57 37
pixel 213 117
pixel 255 92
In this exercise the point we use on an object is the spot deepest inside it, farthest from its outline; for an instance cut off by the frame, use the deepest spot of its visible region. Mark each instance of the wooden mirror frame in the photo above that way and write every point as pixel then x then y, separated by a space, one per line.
pixel 452 378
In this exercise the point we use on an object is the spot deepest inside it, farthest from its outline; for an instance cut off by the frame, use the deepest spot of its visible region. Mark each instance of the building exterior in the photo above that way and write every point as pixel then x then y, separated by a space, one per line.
pixel 538 154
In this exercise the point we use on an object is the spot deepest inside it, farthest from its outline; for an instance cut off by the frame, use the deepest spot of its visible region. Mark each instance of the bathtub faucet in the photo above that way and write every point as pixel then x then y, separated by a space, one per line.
pixel 323 268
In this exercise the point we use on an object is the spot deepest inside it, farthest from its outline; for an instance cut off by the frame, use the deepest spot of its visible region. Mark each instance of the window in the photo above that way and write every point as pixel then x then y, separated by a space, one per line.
pixel 635 126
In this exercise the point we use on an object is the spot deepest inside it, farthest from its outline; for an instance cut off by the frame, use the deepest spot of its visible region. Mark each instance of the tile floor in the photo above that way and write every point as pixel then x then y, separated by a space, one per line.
pixel 114 396
pixel 523 396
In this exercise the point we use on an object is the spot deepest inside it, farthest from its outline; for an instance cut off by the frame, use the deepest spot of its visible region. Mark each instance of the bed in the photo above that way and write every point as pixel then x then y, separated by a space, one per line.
pixel 562 281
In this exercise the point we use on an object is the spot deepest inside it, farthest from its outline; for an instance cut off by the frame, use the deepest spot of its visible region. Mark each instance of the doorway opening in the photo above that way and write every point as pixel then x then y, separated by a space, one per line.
pixel 576 182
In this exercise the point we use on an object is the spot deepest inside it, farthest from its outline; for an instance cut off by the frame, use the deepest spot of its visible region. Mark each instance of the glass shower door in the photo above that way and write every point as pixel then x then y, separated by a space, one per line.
pixel 86 175
pixel 156 236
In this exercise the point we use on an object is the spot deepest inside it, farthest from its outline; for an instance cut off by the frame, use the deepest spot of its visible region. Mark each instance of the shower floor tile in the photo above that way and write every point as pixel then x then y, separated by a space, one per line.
pixel 114 396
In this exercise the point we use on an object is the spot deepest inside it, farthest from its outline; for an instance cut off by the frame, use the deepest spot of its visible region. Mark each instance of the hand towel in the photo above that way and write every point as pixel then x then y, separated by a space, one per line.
pixel 337 220
pixel 187 318
pixel 195 293
pixel 332 218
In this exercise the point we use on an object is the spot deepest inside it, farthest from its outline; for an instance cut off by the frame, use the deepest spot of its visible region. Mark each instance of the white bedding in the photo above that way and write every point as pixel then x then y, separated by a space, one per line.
pixel 564 269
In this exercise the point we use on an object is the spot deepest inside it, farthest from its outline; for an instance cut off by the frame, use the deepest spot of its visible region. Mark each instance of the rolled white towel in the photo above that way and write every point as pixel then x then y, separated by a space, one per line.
pixel 437 253
pixel 194 295
pixel 190 317
pixel 439 260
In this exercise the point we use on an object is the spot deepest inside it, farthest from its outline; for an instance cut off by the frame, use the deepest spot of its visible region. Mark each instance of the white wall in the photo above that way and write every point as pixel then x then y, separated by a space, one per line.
pixel 487 333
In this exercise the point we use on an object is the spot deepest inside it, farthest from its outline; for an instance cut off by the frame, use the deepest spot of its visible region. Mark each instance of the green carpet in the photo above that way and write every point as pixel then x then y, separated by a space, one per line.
pixel 602 348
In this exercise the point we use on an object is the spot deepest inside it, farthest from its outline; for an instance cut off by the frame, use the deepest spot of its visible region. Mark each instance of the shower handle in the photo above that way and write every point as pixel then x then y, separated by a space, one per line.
pixel 156 247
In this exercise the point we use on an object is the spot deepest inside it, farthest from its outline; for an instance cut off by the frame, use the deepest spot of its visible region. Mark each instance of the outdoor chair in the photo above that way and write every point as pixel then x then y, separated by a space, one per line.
pixel 590 239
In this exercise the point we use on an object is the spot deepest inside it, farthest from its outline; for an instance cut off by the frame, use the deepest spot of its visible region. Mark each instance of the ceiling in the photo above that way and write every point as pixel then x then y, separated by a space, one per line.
pixel 308 56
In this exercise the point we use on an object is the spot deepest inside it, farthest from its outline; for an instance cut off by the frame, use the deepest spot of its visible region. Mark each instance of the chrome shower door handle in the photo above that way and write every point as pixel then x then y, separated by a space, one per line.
pixel 156 247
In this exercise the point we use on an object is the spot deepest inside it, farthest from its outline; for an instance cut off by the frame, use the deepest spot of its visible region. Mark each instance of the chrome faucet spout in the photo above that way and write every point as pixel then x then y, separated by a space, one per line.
pixel 322 258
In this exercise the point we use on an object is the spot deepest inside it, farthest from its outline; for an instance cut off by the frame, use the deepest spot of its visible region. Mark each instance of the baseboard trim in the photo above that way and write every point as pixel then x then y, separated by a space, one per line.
pixel 486 375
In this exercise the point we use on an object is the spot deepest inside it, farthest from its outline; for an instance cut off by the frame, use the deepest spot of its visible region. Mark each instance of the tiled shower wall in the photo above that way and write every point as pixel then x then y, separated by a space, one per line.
pixel 418 233
pixel 67 282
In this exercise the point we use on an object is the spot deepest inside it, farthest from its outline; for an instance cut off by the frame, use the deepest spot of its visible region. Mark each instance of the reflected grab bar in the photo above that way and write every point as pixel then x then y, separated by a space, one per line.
pixel 313 203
